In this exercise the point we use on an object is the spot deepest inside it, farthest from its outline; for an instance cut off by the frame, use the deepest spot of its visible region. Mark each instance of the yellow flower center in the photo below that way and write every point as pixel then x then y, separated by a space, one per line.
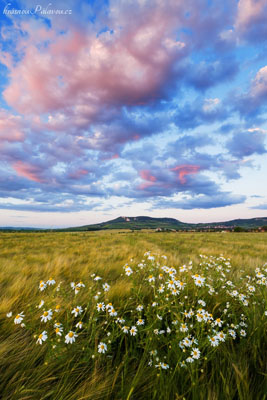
pixel 45 314
pixel 57 330
pixel 41 336
pixel 17 316
pixel 71 334
pixel 57 307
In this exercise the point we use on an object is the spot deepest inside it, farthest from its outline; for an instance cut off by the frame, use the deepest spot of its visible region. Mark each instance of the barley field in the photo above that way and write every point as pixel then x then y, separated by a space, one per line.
pixel 133 315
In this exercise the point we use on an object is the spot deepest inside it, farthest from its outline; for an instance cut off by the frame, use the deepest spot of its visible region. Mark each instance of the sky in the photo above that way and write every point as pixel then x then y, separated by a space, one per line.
pixel 132 107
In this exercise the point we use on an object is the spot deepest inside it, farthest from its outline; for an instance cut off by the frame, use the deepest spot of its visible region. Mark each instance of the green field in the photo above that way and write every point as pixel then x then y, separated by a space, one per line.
pixel 235 369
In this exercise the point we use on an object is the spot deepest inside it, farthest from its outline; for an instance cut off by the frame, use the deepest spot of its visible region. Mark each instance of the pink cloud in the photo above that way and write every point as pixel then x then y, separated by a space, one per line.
pixel 11 127
pixel 146 175
pixel 31 172
pixel 79 73
pixel 78 174
pixel 183 170
pixel 249 12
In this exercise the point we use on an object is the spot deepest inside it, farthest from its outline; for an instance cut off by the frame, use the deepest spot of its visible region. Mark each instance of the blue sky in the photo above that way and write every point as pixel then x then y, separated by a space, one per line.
pixel 132 108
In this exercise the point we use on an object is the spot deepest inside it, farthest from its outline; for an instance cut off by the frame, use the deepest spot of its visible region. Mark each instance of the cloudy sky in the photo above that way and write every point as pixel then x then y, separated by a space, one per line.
pixel 132 107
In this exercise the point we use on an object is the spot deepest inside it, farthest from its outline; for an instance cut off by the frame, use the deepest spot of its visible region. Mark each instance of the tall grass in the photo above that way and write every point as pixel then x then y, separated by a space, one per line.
pixel 236 370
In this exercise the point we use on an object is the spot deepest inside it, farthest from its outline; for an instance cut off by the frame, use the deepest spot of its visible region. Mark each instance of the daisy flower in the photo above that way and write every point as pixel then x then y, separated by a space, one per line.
pixel 163 365
pixel 232 333
pixel 221 336
pixel 189 360
pixel 19 318
pixel 42 286
pixel 180 285
pixel 77 311
pixel 140 322
pixel 50 281
pixel 100 307
pixel 139 308
pixel 125 329
pixel 42 337
pixel 128 271
pixel 102 347
pixel 218 322
pixel 79 325
pixel 112 312
pixel 133 331
pixel 59 330
pixel 214 341
pixel 106 287
pixel 243 333
pixel 70 337
pixel 40 305
pixel 57 308
pixel 195 353
pixel 183 328
pixel 9 314
pixel 47 315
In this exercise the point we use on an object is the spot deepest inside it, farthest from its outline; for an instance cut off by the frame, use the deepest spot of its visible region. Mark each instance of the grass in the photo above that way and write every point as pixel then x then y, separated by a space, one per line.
pixel 234 370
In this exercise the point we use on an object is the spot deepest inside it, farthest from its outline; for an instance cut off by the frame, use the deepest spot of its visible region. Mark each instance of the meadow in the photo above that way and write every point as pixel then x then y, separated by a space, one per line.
pixel 133 315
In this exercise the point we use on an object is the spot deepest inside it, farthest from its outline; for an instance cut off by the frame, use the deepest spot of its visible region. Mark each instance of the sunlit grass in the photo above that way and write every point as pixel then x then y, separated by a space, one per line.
pixel 233 369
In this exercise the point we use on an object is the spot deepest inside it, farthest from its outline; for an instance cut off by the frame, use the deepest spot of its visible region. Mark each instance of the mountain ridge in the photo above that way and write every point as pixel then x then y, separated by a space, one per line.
pixel 145 222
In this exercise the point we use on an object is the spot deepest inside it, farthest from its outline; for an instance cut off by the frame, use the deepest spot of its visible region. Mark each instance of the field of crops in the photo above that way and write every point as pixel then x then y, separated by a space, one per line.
pixel 133 315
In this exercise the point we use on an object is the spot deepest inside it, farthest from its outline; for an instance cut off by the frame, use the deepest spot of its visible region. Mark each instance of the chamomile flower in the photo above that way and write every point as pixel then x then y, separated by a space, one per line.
pixel 42 285
pixel 57 308
pixel 102 347
pixel 189 360
pixel 139 307
pixel 133 331
pixel 9 314
pixel 58 330
pixel 162 365
pixel 232 333
pixel 125 329
pixel 70 337
pixel 42 337
pixel 19 318
pixel 218 322
pixel 180 285
pixel 106 287
pixel 221 336
pixel 100 307
pixel 243 333
pixel 128 271
pixel 112 312
pixel 195 353
pixel 214 341
pixel 50 281
pixel 140 322
pixel 40 305
pixel 77 311
pixel 183 328
pixel 46 316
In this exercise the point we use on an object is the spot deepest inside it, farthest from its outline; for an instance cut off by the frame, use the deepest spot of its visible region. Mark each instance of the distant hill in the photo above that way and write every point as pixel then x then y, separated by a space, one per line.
pixel 142 222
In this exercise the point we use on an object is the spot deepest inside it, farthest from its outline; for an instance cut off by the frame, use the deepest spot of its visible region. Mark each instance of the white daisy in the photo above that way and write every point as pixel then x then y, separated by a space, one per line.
pixel 42 337
pixel 77 311
pixel 102 347
pixel 19 318
pixel 70 337
pixel 47 315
